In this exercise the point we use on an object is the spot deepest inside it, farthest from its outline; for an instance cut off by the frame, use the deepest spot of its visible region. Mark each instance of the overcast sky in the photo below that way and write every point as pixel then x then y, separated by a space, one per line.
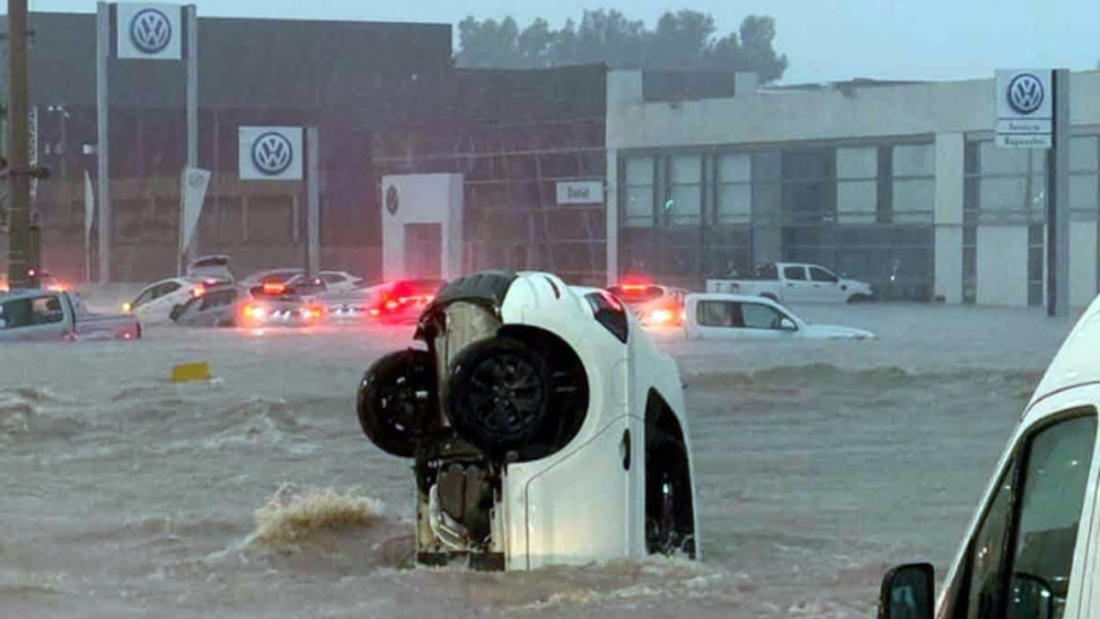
pixel 825 39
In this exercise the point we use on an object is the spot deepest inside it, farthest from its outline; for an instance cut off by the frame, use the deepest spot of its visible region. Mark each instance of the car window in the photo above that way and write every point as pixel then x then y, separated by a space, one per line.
pixel 146 296
pixel 47 310
pixel 333 278
pixel 1037 509
pixel 719 314
pixel 759 316
pixel 165 288
pixel 16 314
pixel 193 304
pixel 818 274
pixel 795 273
pixel 218 298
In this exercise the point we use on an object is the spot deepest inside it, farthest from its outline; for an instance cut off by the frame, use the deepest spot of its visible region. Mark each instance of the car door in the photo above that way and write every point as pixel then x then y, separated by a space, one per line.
pixel 825 286
pixel 796 287
pixel 1026 555
pixel 216 309
pixel 34 319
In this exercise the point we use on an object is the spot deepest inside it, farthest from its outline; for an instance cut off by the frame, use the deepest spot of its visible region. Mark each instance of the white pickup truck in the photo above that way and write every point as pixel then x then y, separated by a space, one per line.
pixel 35 315
pixel 794 282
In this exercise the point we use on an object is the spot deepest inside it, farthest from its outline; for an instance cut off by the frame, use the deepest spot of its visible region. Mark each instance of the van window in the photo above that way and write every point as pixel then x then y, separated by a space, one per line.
pixel 1029 533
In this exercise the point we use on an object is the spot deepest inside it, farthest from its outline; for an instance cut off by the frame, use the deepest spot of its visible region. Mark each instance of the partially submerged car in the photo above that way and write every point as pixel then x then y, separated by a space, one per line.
pixel 402 301
pixel 545 427
pixel 653 304
pixel 155 302
pixel 33 315
pixel 731 316
pixel 1030 549
pixel 232 305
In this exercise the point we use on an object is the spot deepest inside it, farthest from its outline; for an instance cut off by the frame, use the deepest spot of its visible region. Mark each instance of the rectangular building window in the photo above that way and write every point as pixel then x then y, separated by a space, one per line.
pixel 857 185
pixel 914 160
pixel 914 183
pixel 734 188
pixel 1084 180
pixel 686 190
pixel 638 199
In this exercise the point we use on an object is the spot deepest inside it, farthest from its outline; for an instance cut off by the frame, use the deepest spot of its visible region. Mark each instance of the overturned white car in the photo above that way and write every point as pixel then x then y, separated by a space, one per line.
pixel 545 426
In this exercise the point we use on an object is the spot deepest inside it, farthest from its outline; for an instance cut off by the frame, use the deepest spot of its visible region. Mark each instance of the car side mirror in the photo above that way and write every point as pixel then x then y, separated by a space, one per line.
pixel 908 592
pixel 1031 596
pixel 786 324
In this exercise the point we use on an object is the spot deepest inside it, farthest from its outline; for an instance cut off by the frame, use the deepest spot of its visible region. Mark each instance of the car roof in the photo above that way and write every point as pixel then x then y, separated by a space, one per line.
pixel 1075 363
pixel 25 293
pixel 725 296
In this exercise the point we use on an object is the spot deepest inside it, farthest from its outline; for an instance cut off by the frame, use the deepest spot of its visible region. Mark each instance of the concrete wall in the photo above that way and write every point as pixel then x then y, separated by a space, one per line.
pixel 423 198
pixel 948 217
pixel 1082 263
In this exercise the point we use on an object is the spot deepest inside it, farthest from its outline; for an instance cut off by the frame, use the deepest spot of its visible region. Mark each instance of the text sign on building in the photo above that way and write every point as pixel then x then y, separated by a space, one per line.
pixel 580 192
pixel 1025 109
pixel 270 153
pixel 149 31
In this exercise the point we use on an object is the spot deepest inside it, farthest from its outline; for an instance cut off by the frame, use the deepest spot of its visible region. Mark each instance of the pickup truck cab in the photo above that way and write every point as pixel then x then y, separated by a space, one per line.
pixel 35 315
pixel 793 282
pixel 1031 548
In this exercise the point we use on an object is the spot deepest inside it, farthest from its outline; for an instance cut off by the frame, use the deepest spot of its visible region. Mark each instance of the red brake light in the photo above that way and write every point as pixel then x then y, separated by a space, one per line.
pixel 633 287
pixel 198 290
pixel 274 287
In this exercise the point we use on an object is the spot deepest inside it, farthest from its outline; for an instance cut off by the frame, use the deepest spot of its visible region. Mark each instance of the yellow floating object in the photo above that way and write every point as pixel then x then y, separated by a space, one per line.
pixel 191 372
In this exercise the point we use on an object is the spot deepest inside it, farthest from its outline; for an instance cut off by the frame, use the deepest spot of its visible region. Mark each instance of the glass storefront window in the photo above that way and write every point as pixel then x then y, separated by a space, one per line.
pixel 734 168
pixel 734 204
pixel 859 163
pixel 914 160
pixel 1084 155
pixel 856 201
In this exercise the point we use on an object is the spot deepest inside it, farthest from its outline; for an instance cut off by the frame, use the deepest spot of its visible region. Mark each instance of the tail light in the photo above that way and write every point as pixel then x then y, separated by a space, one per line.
pixel 274 288
pixel 311 313
pixel 198 290
pixel 126 307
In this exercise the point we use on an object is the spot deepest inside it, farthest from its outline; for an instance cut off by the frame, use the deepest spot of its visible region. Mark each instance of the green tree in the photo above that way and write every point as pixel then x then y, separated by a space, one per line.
pixel 681 40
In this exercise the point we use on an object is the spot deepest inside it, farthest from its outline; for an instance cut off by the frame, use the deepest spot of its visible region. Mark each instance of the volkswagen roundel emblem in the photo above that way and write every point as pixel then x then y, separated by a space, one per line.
pixel 1025 93
pixel 272 153
pixel 150 31
pixel 392 201
pixel 195 180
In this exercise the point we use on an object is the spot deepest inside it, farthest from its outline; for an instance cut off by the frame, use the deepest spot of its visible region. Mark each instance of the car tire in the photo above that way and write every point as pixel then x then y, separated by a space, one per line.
pixel 859 298
pixel 500 398
pixel 396 400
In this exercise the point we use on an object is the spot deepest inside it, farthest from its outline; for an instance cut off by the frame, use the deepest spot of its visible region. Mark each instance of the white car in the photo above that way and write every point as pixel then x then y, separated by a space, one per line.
pixel 335 281
pixel 732 316
pixel 155 302
pixel 545 426
pixel 1030 548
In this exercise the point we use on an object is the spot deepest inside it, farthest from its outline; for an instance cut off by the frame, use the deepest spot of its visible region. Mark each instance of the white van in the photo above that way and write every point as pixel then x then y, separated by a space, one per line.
pixel 1033 549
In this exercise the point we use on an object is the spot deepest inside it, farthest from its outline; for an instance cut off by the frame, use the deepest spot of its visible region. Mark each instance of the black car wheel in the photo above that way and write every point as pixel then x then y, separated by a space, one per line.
pixel 396 401
pixel 499 395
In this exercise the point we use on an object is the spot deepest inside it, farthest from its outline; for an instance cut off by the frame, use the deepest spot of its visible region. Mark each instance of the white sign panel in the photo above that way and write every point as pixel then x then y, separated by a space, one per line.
pixel 150 31
pixel 1025 109
pixel 580 192
pixel 195 182
pixel 270 153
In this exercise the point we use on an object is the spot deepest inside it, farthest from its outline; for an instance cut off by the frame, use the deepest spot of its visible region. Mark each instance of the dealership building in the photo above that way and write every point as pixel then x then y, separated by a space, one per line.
pixel 899 184
pixel 430 170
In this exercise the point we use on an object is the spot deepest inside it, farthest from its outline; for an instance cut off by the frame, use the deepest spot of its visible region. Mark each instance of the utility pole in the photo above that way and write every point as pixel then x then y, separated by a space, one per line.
pixel 22 263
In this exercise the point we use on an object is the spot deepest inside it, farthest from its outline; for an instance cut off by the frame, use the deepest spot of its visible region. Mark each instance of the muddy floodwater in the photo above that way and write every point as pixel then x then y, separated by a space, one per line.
pixel 818 465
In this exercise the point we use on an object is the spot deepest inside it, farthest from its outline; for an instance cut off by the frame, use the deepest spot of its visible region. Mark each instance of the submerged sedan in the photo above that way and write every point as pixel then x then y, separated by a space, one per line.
pixel 272 304
pixel 733 316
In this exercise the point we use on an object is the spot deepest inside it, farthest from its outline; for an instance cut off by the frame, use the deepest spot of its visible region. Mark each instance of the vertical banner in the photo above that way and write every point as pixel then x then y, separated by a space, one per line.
pixel 33 143
pixel 89 219
pixel 270 153
pixel 149 31
pixel 195 181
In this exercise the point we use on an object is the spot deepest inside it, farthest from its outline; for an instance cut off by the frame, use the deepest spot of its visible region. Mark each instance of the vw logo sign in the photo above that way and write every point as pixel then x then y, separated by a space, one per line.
pixel 150 31
pixel 272 153
pixel 1025 93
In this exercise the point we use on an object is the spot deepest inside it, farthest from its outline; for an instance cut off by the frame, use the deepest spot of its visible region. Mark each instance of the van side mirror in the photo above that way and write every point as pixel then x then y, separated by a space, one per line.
pixel 786 324
pixel 908 592
pixel 1031 596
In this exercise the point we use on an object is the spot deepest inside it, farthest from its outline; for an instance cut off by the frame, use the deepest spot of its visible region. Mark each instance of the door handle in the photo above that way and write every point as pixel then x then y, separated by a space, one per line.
pixel 624 450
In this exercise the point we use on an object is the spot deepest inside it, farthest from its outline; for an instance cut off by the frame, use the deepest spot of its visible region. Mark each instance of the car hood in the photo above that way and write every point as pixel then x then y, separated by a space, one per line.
pixel 836 332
